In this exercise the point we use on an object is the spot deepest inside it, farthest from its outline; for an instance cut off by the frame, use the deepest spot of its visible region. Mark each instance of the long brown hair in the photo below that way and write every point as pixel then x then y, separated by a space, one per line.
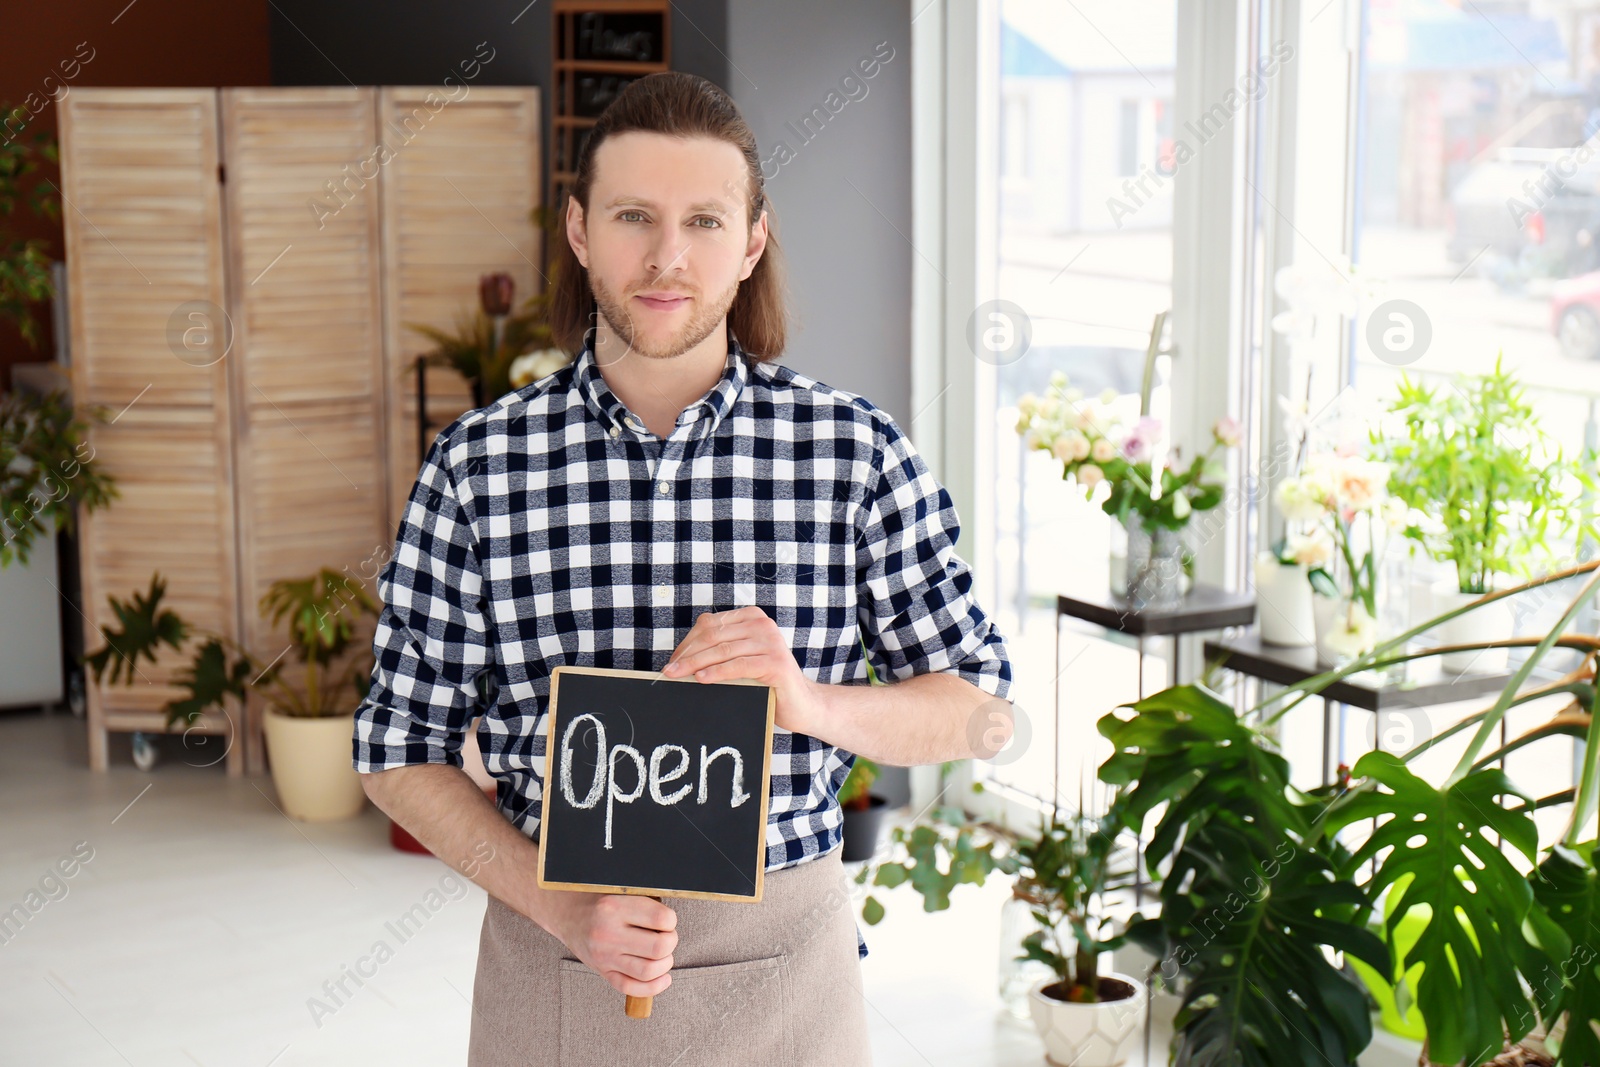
pixel 679 105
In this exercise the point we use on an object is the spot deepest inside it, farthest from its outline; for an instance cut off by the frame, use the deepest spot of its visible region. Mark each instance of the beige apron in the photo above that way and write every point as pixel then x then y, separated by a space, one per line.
pixel 777 982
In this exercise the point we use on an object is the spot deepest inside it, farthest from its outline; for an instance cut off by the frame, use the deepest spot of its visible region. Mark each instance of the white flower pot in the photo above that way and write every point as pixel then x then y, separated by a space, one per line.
pixel 1488 623
pixel 1283 603
pixel 1089 1035
pixel 311 767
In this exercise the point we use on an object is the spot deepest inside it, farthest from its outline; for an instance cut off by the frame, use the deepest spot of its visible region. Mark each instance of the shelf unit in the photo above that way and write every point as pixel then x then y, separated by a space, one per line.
pixel 592 43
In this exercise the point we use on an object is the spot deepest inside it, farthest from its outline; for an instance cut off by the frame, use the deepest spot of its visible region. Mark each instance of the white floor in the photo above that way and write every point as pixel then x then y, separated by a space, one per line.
pixel 203 925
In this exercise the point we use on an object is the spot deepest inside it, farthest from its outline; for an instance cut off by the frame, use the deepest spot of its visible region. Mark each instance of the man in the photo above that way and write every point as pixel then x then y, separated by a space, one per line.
pixel 672 495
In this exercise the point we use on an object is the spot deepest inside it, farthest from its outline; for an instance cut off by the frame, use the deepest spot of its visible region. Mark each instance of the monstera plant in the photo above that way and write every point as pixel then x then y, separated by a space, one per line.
pixel 1260 894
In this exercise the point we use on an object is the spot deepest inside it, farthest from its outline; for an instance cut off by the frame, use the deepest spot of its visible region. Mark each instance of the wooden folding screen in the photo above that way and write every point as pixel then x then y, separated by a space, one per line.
pixel 142 213
pixel 277 436
pixel 459 198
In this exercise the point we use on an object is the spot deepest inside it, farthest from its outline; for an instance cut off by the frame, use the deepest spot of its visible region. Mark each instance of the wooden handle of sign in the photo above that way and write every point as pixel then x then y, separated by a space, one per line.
pixel 639 1007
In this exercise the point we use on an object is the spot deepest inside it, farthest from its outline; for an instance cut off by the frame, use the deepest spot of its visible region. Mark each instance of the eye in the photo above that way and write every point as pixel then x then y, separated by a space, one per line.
pixel 626 213
pixel 708 218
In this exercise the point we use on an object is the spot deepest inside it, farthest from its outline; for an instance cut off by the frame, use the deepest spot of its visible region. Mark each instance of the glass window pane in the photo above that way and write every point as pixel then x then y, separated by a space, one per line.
pixel 1085 249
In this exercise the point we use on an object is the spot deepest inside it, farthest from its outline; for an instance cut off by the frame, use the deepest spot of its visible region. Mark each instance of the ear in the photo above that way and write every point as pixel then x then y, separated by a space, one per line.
pixel 577 233
pixel 757 245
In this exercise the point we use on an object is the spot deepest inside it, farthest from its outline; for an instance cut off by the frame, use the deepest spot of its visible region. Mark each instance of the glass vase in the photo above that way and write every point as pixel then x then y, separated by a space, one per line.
pixel 1155 566
pixel 1018 976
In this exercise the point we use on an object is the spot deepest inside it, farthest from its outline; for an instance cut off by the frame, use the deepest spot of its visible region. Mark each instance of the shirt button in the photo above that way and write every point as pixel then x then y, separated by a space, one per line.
pixel 662 488
pixel 615 431
pixel 663 594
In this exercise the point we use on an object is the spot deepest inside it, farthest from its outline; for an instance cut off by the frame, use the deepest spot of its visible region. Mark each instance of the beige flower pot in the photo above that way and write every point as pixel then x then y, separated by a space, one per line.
pixel 1089 1035
pixel 311 767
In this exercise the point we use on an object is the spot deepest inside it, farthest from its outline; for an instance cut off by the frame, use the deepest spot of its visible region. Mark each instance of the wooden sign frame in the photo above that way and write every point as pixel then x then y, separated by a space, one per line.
pixel 656 677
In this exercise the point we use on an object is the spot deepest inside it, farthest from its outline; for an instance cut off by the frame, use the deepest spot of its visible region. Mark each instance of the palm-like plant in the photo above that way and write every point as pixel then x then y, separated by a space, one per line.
pixel 321 612
pixel 482 346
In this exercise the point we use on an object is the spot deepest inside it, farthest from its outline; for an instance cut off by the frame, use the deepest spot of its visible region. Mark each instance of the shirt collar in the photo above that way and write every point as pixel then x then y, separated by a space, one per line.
pixel 615 416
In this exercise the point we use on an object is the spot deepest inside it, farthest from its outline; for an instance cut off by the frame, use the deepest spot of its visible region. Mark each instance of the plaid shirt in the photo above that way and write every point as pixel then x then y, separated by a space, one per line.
pixel 551 527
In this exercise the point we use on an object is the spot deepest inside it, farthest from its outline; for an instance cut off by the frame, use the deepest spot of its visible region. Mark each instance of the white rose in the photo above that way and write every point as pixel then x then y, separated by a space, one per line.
pixel 1090 476
pixel 1103 451
pixel 1355 632
pixel 531 366
pixel 1360 484
pixel 1300 500
pixel 1313 550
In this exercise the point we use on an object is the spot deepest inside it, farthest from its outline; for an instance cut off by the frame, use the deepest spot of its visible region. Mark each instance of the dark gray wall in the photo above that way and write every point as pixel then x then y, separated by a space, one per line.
pixel 410 42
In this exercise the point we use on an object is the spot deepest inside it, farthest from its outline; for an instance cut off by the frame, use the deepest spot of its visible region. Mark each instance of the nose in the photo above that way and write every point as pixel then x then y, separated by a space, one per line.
pixel 666 254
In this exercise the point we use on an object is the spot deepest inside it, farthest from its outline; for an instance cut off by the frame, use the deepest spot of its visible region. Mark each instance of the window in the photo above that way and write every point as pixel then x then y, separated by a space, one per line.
pixel 1091 264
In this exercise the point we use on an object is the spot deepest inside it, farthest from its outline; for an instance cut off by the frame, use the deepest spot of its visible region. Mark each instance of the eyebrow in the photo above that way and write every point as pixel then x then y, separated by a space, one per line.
pixel 714 206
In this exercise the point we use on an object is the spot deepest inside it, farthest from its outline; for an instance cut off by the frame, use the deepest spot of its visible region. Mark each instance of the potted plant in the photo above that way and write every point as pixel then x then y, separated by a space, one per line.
pixel 1150 493
pixel 1340 502
pixel 863 812
pixel 1488 492
pixel 308 724
pixel 1262 903
pixel 495 348
pixel 1085 1018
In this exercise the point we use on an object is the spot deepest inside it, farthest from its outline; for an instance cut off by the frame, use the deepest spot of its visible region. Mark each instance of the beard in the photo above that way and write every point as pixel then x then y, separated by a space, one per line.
pixel 656 340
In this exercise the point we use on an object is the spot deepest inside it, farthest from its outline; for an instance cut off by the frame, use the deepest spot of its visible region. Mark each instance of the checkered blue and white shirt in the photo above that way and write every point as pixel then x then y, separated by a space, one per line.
pixel 551 527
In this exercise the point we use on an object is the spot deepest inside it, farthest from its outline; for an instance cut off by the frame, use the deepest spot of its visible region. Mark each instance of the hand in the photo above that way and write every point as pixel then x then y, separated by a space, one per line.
pixel 627 940
pixel 745 643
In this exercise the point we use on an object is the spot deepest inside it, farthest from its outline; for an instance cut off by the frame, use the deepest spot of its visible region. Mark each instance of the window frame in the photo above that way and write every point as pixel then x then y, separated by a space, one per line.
pixel 1219 308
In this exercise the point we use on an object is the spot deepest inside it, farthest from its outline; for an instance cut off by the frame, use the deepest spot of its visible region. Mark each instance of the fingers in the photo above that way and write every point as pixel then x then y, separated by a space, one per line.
pixel 713 626
pixel 634 988
pixel 720 652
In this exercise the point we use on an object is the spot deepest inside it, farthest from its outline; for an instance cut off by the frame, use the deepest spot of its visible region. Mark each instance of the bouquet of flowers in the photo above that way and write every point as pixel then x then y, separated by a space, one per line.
pixel 1097 444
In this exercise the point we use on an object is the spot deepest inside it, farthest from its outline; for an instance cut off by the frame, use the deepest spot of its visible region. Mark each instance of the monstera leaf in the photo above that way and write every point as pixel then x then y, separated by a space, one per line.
pixel 1568 889
pixel 1474 945
pixel 209 679
pixel 143 627
pixel 1249 894
pixel 1260 991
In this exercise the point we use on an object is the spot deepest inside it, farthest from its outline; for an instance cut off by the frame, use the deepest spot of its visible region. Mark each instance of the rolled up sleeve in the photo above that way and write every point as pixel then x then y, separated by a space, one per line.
pixel 914 591
pixel 431 642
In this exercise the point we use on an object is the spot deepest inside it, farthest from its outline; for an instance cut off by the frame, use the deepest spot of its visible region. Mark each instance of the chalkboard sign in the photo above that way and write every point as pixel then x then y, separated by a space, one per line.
pixel 635 38
pixel 656 786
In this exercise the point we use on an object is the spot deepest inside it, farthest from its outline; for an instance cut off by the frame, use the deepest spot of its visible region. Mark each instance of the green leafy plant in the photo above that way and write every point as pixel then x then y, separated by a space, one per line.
pixel 1065 873
pixel 483 347
pixel 1248 889
pixel 24 265
pixel 321 612
pixel 1488 489
pixel 1256 887
pixel 47 469
pixel 941 851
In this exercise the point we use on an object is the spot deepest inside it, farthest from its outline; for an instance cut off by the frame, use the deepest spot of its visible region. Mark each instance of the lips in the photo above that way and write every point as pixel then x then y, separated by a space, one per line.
pixel 662 305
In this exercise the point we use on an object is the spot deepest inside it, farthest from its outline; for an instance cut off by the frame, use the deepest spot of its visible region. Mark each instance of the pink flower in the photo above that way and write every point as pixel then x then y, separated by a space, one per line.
pixel 1227 431
pixel 1141 440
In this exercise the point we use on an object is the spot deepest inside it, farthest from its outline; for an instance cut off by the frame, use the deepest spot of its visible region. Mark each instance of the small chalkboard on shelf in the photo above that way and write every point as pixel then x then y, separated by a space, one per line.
pixel 636 38
pixel 656 786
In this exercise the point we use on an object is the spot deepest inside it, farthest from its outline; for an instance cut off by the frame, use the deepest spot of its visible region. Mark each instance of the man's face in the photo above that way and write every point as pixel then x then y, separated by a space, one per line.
pixel 666 216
